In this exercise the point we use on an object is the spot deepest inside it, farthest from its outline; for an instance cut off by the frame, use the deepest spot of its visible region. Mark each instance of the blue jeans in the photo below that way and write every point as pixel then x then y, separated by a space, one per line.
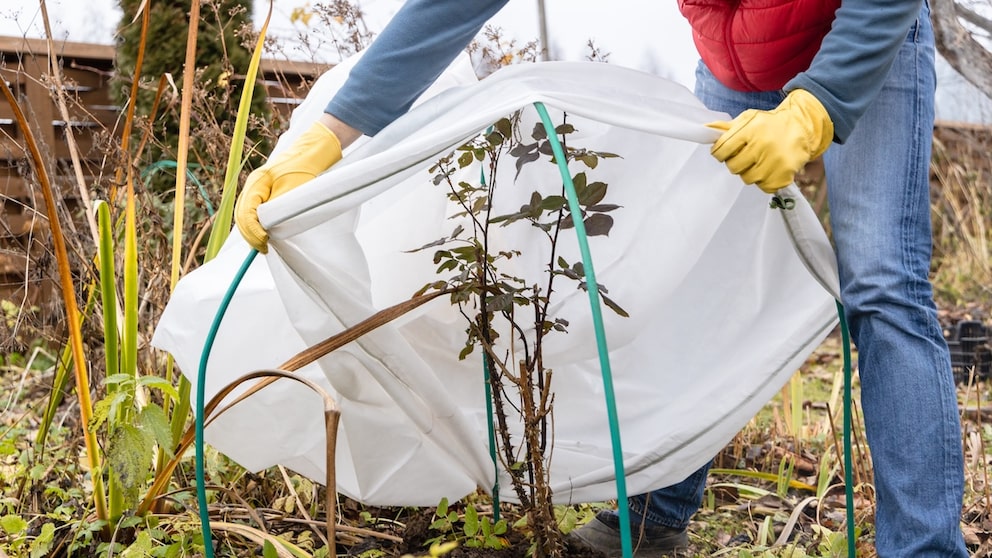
pixel 880 214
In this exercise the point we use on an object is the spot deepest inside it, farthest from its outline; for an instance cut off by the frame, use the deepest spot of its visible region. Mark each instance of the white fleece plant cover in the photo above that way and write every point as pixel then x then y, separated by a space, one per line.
pixel 723 308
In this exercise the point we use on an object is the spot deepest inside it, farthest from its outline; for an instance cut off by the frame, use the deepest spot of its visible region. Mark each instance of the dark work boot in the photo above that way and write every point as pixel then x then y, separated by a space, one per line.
pixel 603 534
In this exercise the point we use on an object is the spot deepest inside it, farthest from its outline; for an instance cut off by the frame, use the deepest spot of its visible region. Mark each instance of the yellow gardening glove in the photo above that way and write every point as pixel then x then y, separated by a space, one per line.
pixel 768 148
pixel 311 154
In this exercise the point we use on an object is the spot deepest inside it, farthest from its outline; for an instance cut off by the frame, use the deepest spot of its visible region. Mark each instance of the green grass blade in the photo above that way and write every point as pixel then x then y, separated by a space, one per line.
pixel 112 349
pixel 181 411
pixel 108 287
pixel 222 221
pixel 771 477
pixel 129 337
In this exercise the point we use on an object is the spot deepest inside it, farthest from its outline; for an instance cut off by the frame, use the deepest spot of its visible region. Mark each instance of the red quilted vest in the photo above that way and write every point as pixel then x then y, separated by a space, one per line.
pixel 758 45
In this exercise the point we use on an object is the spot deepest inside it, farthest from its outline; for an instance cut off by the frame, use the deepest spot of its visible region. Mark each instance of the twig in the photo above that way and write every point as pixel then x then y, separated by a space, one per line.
pixel 299 503
pixel 349 529
pixel 77 167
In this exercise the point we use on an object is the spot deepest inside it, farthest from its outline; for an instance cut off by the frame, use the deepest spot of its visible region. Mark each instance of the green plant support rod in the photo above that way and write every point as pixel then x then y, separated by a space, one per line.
pixel 848 460
pixel 487 367
pixel 151 169
pixel 597 317
pixel 208 344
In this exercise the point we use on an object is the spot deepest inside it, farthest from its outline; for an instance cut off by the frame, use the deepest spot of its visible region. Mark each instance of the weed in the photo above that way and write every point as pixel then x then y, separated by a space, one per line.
pixel 470 530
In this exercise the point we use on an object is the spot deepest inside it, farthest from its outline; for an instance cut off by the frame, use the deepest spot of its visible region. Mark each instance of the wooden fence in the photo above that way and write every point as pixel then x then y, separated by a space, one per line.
pixel 26 270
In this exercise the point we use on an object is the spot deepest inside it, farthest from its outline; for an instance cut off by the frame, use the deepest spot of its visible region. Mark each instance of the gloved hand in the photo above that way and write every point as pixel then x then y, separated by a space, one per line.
pixel 311 154
pixel 768 148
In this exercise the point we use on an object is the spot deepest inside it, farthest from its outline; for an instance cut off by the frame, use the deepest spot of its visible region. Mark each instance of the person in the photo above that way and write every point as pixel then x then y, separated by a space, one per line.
pixel 852 81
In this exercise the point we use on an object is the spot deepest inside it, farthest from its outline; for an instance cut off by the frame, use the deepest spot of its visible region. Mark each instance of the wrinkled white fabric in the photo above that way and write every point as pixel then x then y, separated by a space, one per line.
pixel 723 307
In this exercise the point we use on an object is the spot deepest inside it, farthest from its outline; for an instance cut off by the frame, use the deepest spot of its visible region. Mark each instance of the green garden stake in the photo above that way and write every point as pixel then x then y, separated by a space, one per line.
pixel 597 317
pixel 208 345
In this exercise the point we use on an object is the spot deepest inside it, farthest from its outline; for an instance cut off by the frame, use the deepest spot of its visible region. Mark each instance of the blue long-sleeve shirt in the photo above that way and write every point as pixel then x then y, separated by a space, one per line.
pixel 426 35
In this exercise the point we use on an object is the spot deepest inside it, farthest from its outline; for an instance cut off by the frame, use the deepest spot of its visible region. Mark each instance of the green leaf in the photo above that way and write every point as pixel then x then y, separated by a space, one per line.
pixel 130 522
pixel 590 161
pixel 129 455
pixel 13 524
pixel 568 520
pixel 593 194
pixel 43 542
pixel 421 291
pixel 522 149
pixel 465 253
pixel 612 305
pixel 579 181
pixel 108 288
pixel 524 159
pixel 438 242
pixel 159 383
pixel 539 132
pixel 534 209
pixel 140 548
pixel 107 409
pixel 447 266
pixel 269 550
pixel 114 379
pixel 496 543
pixel 500 303
pixel 501 527
pixel 567 272
pixel 153 421
pixel 486 527
pixel 471 521
pixel 504 127
pixel 564 129
pixel 553 203
pixel 440 255
pixel 598 224
pixel 535 200
pixel 129 301
pixel 465 160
